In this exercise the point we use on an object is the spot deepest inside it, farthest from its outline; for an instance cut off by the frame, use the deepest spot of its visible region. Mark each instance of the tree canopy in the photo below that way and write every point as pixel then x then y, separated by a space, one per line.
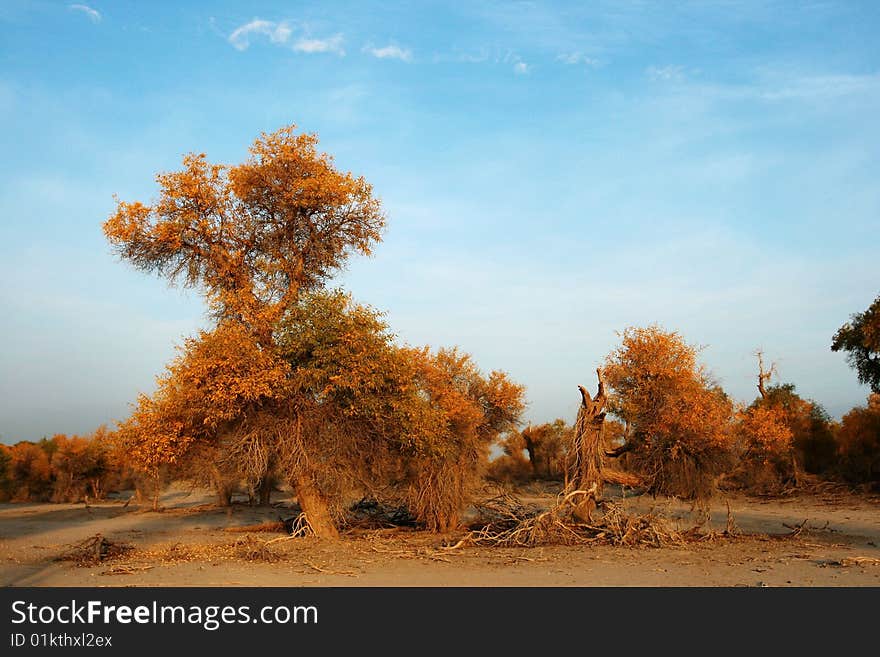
pixel 860 338
pixel 252 236
pixel 679 418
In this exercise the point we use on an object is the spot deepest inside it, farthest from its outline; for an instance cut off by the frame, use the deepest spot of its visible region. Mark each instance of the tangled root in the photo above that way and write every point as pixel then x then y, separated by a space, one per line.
pixel 94 550
pixel 251 548
pixel 508 523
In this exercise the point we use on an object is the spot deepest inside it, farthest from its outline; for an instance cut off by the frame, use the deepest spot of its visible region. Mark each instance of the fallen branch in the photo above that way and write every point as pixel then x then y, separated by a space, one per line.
pixel 94 550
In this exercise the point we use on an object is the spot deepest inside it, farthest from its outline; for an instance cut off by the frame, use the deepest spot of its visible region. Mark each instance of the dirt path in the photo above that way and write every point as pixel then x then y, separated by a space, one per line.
pixel 186 545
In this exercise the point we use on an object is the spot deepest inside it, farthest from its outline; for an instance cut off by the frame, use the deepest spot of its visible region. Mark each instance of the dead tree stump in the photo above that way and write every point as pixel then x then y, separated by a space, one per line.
pixel 585 473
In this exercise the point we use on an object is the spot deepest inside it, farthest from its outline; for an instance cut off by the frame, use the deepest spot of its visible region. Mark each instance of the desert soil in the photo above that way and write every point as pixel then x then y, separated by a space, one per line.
pixel 187 544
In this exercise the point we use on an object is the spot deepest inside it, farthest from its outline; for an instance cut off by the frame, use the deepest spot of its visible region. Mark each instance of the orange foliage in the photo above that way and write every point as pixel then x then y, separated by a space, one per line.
pixel 29 471
pixel 292 375
pixel 466 412
pixel 766 432
pixel 779 435
pixel 547 446
pixel 81 466
pixel 252 235
pixel 218 377
pixel 680 420
pixel 858 438
pixel 475 409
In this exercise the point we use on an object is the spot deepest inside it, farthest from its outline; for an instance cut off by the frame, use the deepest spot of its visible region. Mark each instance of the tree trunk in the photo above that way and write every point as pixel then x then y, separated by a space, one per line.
pixel 795 470
pixel 763 375
pixel 446 523
pixel 315 506
pixel 156 492
pixel 533 461
pixel 586 471
pixel 222 488
pixel 224 496
pixel 266 490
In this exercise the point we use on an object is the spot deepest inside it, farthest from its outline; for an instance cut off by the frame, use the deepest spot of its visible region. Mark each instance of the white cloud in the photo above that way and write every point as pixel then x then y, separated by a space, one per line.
pixel 93 14
pixel 277 33
pixel 665 73
pixel 311 46
pixel 280 33
pixel 389 52
pixel 573 58
pixel 521 68
pixel 462 57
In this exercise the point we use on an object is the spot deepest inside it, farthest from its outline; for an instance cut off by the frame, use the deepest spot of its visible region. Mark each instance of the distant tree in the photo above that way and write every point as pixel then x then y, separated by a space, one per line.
pixel 766 449
pixel 678 418
pixel 766 430
pixel 6 481
pixel 810 425
pixel 512 464
pixel 30 472
pixel 860 338
pixel 546 445
pixel 858 438
pixel 79 467
pixel 780 435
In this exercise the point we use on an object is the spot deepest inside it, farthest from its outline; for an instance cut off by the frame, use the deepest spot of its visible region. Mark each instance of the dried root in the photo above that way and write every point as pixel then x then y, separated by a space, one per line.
pixel 95 550
pixel 250 548
pixel 508 523
pixel 859 561
pixel 297 527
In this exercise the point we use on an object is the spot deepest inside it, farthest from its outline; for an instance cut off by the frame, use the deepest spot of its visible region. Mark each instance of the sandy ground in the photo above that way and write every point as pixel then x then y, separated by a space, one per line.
pixel 187 545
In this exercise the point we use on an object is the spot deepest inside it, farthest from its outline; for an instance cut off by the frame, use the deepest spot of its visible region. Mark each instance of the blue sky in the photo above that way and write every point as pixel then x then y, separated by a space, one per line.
pixel 552 173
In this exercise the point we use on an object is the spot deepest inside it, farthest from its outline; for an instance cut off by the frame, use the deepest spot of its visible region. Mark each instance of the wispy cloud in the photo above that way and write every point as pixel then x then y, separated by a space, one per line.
pixel 330 45
pixel 506 57
pixel 574 58
pixel 475 57
pixel 818 92
pixel 665 73
pixel 277 33
pixel 93 14
pixel 281 33
pixel 510 57
pixel 389 52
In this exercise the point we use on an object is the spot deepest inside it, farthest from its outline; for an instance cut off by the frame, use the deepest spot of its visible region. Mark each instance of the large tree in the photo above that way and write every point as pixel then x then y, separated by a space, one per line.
pixel 253 237
pixel 340 409
pixel 860 338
